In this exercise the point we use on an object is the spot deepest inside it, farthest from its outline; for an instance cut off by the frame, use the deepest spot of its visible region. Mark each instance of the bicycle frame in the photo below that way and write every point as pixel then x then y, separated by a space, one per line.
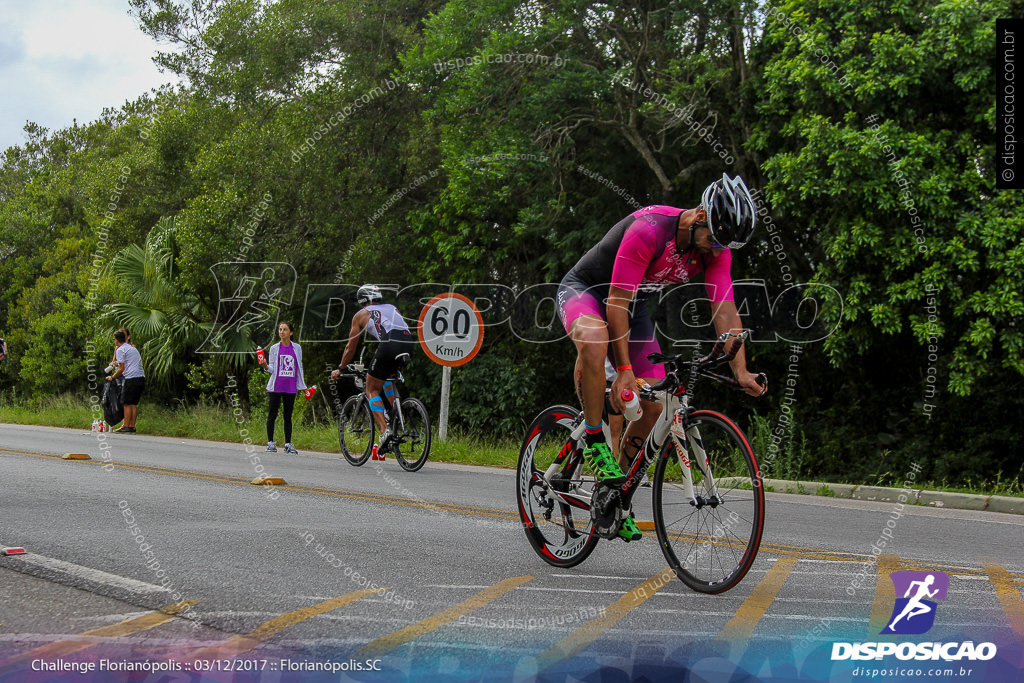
pixel 671 422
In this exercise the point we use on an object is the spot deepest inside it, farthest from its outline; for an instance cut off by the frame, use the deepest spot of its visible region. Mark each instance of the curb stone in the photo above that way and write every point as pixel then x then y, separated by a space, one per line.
pixel 936 499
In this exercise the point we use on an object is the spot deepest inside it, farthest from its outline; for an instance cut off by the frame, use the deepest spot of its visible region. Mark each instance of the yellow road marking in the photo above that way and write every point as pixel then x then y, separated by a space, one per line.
pixel 801 552
pixel 1008 594
pixel 742 625
pixel 385 644
pixel 885 597
pixel 374 497
pixel 124 628
pixel 585 635
pixel 237 645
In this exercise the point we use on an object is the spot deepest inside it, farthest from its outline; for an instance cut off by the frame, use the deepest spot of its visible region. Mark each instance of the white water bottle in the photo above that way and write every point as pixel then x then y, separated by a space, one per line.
pixel 95 424
pixel 631 411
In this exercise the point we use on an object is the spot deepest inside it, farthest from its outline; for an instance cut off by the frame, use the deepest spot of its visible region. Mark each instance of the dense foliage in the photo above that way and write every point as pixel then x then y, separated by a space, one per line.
pixel 474 143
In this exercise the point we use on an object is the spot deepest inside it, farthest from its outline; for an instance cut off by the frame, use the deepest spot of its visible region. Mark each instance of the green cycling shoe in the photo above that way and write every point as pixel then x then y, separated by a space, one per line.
pixel 602 462
pixel 630 531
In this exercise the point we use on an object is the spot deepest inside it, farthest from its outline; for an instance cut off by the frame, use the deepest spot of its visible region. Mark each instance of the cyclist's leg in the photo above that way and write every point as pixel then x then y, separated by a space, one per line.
pixel 374 392
pixel 384 364
pixel 582 315
pixel 389 393
pixel 381 367
pixel 590 335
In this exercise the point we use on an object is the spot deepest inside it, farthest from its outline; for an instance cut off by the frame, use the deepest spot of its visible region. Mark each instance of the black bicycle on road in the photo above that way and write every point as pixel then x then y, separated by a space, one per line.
pixel 407 420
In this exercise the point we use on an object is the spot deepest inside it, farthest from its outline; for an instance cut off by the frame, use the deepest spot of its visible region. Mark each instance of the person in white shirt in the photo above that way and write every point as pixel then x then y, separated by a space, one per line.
pixel 129 365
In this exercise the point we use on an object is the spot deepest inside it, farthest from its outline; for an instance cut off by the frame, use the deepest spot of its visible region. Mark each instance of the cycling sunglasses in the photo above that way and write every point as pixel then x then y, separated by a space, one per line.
pixel 704 224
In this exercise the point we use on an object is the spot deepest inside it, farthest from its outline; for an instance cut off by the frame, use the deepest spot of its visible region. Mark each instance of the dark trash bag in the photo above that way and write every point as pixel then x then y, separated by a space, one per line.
pixel 113 409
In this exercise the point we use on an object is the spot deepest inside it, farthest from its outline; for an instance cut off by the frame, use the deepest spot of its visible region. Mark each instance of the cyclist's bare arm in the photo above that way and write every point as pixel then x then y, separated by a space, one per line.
pixel 618 337
pixel 727 319
pixel 359 321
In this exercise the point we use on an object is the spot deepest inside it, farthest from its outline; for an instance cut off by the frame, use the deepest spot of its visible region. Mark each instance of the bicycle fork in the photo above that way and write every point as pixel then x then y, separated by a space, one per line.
pixel 681 436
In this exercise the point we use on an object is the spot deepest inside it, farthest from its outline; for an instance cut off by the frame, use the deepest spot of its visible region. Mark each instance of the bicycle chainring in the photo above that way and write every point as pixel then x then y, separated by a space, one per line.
pixel 606 511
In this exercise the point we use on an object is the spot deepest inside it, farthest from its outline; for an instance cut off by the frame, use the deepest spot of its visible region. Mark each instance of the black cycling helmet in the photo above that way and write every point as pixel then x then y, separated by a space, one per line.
pixel 367 294
pixel 730 211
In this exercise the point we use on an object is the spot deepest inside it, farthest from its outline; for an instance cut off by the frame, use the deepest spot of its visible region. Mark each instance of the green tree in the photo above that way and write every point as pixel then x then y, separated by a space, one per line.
pixel 876 124
pixel 167 322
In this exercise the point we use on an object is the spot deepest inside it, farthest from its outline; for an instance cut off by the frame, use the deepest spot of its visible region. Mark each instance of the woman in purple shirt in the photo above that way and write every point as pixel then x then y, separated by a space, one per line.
pixel 284 363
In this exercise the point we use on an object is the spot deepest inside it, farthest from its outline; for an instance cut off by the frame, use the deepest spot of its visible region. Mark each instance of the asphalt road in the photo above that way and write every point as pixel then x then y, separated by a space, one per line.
pixel 260 576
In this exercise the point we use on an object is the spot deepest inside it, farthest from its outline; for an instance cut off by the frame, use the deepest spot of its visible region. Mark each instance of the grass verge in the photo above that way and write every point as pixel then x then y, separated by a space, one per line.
pixel 217 423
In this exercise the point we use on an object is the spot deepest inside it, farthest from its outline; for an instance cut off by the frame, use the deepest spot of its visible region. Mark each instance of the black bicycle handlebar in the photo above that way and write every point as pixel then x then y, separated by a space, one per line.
pixel 717 356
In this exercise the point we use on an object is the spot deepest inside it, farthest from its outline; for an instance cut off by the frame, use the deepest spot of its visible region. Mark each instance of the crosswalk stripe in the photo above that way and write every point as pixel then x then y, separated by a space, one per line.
pixel 1008 594
pixel 123 628
pixel 585 635
pixel 885 597
pixel 742 625
pixel 241 644
pixel 385 644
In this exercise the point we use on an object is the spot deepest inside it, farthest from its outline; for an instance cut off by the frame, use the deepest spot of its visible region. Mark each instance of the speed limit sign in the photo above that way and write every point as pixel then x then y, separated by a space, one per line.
pixel 451 329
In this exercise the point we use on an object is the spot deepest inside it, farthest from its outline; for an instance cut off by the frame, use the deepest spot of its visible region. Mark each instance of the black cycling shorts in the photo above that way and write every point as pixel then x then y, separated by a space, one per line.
pixel 132 391
pixel 384 365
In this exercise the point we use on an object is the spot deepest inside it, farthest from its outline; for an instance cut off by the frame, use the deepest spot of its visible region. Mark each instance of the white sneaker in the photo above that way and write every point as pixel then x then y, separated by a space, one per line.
pixel 271 447
pixel 384 437
pixel 288 448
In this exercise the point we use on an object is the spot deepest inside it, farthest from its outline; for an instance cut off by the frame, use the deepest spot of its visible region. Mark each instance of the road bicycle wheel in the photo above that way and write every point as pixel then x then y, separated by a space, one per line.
pixel 711 543
pixel 559 529
pixel 355 430
pixel 412 442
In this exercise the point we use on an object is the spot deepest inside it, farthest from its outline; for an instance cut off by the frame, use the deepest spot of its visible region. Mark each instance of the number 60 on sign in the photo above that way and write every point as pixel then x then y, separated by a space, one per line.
pixel 451 329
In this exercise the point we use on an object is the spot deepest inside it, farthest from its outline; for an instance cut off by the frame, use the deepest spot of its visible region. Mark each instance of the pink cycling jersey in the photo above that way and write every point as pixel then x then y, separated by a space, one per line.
pixel 639 254
pixel 647 258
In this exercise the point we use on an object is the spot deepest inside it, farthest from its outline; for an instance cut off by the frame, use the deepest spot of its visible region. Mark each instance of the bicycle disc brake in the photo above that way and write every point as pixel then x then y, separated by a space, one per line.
pixel 606 511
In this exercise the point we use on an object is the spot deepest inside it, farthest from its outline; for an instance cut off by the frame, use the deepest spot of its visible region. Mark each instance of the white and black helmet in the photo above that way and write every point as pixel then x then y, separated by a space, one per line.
pixel 367 294
pixel 730 211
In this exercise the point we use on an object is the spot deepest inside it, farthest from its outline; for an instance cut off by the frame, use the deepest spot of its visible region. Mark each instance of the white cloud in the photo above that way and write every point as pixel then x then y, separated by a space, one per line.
pixel 69 59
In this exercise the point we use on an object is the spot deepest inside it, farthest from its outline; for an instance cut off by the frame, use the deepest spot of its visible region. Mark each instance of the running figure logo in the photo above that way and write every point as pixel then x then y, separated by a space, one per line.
pixel 914 613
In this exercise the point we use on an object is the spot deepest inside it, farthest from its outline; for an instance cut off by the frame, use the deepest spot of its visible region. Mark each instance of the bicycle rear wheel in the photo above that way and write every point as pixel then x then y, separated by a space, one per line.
pixel 711 543
pixel 559 528
pixel 355 430
pixel 412 442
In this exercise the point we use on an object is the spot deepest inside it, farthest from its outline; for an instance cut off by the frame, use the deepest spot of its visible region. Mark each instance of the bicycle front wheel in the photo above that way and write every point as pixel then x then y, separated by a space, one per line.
pixel 412 442
pixel 355 430
pixel 558 526
pixel 710 540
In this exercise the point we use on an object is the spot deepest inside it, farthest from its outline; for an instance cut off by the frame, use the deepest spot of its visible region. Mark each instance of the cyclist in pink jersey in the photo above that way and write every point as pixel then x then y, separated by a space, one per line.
pixel 602 303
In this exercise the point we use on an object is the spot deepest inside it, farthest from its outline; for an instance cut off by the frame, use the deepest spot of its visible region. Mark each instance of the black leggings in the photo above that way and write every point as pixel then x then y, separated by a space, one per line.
pixel 275 401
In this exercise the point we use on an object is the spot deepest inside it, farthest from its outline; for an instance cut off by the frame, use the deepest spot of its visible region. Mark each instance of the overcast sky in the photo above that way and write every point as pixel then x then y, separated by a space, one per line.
pixel 67 59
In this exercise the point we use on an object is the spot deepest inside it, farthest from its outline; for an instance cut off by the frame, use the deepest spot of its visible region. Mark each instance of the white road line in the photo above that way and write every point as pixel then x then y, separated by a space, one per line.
pixel 596 576
pixel 692 594
pixel 90 574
